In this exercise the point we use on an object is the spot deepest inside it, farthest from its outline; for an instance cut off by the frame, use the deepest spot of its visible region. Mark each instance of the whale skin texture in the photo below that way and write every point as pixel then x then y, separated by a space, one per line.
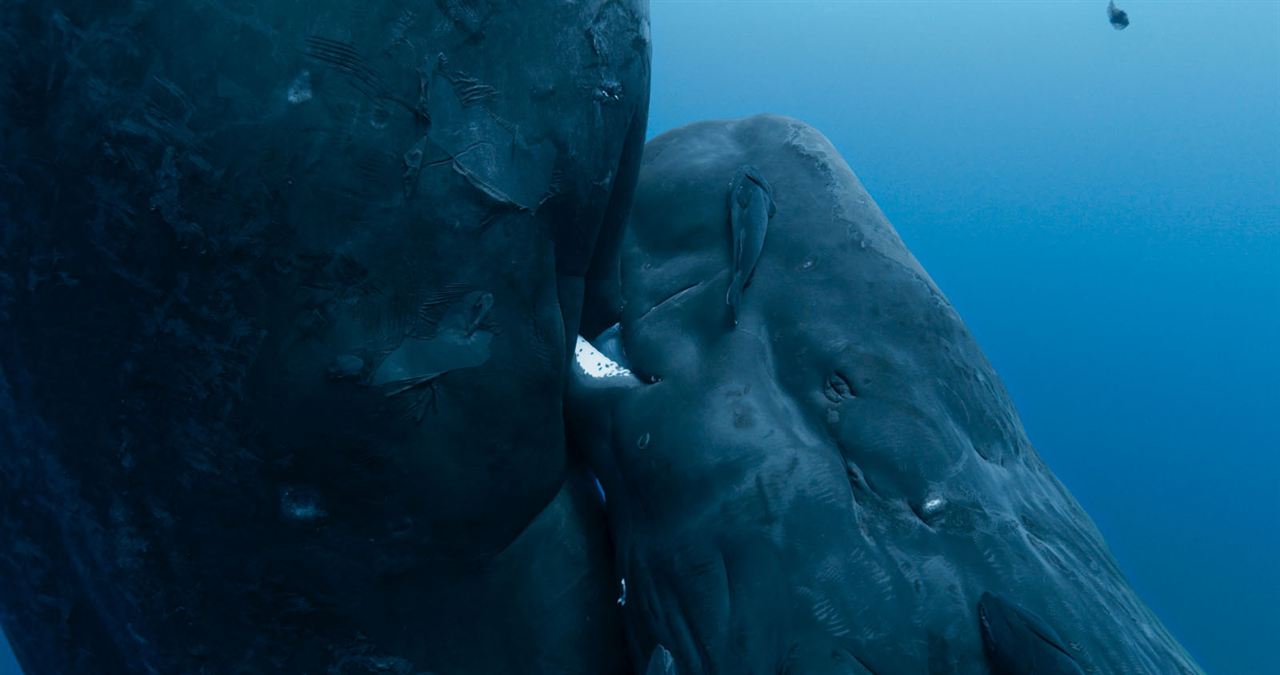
pixel 287 291
pixel 291 375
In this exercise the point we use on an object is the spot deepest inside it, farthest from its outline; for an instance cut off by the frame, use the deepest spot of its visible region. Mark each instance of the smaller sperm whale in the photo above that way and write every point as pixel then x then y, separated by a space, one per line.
pixel 1118 17
pixel 750 208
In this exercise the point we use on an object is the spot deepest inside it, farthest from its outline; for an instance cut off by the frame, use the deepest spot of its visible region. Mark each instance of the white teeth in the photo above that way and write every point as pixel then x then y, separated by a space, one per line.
pixel 595 364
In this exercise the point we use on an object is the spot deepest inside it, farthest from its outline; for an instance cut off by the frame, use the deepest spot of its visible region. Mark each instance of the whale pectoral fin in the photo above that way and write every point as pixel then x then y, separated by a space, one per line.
pixel 1019 643
pixel 750 208
pixel 660 662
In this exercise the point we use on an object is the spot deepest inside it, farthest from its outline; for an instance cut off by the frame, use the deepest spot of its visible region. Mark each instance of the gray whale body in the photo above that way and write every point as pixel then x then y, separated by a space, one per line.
pixel 828 476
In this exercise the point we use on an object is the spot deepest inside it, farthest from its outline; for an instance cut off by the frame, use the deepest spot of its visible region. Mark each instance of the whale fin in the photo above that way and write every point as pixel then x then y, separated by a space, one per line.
pixel 750 208
pixel 1018 642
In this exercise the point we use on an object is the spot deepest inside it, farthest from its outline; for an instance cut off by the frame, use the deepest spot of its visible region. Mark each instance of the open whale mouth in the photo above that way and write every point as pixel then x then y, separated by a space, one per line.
pixel 604 357
pixel 602 373
pixel 603 363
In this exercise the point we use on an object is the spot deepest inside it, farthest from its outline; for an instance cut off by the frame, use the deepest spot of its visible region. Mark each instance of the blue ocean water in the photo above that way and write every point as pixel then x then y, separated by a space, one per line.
pixel 8 664
pixel 1103 208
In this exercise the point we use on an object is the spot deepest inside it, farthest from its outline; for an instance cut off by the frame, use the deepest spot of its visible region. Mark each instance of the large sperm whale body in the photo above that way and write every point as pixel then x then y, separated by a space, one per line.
pixel 284 296
pixel 838 483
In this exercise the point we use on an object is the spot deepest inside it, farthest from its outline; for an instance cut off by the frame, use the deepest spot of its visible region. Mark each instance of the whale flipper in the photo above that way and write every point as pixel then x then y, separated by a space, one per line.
pixel 750 208
pixel 1019 643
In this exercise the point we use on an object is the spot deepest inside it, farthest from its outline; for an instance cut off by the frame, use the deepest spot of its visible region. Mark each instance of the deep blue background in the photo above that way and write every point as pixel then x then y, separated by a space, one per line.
pixel 1103 208
pixel 8 666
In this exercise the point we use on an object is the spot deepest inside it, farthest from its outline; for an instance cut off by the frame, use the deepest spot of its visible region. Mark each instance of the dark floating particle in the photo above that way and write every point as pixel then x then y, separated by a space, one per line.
pixel 1118 17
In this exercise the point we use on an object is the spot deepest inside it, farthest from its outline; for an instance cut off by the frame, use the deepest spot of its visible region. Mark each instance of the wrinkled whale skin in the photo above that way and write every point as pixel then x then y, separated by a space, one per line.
pixel 1017 642
pixel 834 484
pixel 286 296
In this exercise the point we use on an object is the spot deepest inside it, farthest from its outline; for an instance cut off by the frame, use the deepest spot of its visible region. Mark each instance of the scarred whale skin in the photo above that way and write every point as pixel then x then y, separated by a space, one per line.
pixel 286 295
pixel 839 483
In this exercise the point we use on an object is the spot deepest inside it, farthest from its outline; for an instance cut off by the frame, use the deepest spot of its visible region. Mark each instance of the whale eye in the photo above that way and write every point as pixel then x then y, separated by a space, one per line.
pixel 839 388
